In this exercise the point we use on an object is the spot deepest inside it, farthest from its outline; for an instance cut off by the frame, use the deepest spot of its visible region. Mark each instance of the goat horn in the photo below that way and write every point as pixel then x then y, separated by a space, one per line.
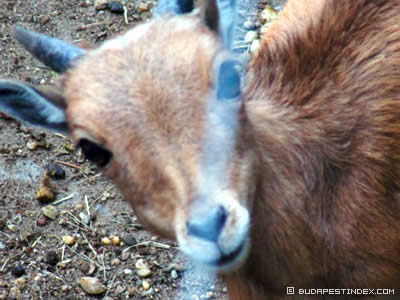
pixel 54 53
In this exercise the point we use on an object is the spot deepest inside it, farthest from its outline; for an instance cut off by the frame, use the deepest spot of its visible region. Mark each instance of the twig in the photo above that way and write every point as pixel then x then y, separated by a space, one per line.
pixel 64 199
pixel 125 15
pixel 84 27
pixel 60 135
pixel 90 246
pixel 77 220
pixel 35 242
pixel 83 256
pixel 6 235
pixel 110 286
pixel 149 243
pixel 4 265
pixel 68 164
pixel 87 207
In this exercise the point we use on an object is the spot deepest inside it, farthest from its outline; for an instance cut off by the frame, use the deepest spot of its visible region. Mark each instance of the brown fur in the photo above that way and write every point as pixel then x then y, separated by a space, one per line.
pixel 317 159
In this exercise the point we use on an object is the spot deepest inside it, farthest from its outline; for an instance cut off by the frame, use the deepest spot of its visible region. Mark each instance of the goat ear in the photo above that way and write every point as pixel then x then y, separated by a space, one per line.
pixel 210 15
pixel 42 107
pixel 220 16
pixel 173 7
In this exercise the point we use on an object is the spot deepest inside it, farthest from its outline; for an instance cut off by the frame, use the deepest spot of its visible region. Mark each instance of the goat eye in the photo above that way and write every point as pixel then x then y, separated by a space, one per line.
pixel 95 153
pixel 228 84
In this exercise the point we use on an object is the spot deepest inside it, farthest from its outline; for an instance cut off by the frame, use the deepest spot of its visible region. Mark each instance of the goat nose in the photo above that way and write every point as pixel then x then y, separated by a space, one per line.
pixel 208 226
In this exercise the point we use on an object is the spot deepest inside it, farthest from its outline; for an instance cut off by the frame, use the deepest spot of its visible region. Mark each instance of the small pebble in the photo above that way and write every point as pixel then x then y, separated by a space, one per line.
pixel 79 207
pixel 15 293
pixel 115 7
pixel 18 270
pixel 131 291
pixel 116 240
pixel 115 262
pixel 68 240
pixel 3 295
pixel 142 7
pixel 130 240
pixel 106 241
pixel 44 193
pixel 92 285
pixel 50 211
pixel 51 258
pixel 128 271
pixel 55 170
pixel 100 4
pixel 125 255
pixel 174 274
pixel 42 220
pixel 32 145
pixel 119 289
pixel 146 284
pixel 84 218
pixel 20 281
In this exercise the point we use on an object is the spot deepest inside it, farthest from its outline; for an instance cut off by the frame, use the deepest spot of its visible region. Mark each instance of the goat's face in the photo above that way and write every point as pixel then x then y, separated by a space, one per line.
pixel 141 102
pixel 159 109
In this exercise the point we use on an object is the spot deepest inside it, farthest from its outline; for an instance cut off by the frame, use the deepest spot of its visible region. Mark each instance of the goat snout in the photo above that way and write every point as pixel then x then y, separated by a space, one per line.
pixel 208 226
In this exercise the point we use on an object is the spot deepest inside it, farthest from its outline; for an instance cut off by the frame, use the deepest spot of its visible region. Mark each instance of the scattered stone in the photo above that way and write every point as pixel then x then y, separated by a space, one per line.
pixel 12 227
pixel 115 7
pixel 51 258
pixel 174 274
pixel 130 240
pixel 20 281
pixel 15 293
pixel 119 289
pixel 125 255
pixel 250 36
pixel 50 211
pixel 42 220
pixel 68 240
pixel 92 285
pixel 55 170
pixel 32 145
pixel 143 269
pixel 131 291
pixel 45 192
pixel 128 271
pixel 18 270
pixel 92 269
pixel 79 207
pixel 116 240
pixel 100 4
pixel 142 7
pixel 3 295
pixel 115 262
pixel 44 20
pixel 145 284
pixel 106 241
pixel 84 218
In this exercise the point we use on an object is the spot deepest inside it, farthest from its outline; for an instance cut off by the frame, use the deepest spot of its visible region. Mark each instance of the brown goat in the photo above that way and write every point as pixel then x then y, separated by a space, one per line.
pixel 302 186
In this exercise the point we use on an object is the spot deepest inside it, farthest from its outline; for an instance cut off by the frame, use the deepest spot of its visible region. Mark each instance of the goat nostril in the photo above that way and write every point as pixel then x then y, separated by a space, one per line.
pixel 208 226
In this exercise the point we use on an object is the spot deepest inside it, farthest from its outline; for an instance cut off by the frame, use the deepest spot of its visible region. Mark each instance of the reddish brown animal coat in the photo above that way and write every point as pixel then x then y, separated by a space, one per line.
pixel 323 105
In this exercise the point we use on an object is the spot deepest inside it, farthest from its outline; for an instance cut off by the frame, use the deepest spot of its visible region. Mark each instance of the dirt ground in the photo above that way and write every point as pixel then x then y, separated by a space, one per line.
pixel 110 245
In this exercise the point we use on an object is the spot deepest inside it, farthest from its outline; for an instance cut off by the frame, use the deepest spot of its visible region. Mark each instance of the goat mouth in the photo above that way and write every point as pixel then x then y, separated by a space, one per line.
pixel 232 258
